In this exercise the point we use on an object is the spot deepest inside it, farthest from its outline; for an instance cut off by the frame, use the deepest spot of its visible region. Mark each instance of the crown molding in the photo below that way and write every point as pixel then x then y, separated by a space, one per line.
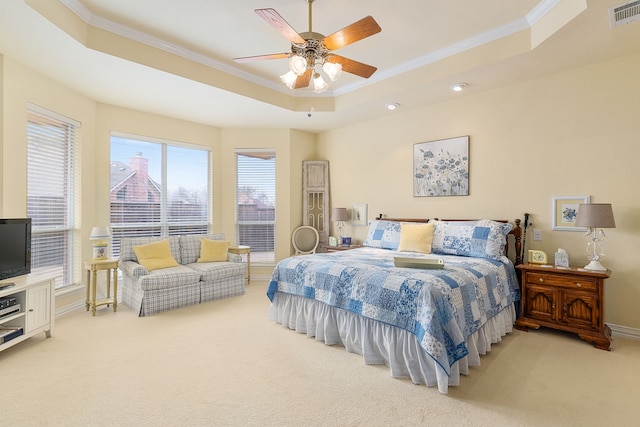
pixel 484 38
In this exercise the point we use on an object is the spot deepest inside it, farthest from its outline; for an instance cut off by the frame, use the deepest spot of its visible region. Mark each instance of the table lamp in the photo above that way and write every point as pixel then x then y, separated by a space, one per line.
pixel 98 236
pixel 594 216
pixel 339 215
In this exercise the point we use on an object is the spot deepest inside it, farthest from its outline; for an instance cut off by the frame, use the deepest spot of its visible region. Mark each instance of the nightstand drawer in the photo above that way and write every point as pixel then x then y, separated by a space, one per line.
pixel 572 282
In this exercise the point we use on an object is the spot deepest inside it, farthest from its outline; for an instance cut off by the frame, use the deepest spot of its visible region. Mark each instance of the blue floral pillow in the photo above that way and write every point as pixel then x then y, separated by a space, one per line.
pixel 482 239
pixel 383 234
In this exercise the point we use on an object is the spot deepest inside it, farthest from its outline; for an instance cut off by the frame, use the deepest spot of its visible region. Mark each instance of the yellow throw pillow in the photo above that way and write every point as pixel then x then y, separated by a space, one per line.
pixel 213 250
pixel 156 255
pixel 416 237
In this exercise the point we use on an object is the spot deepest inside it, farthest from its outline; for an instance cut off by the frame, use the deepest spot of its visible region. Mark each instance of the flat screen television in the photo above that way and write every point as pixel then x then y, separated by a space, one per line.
pixel 15 247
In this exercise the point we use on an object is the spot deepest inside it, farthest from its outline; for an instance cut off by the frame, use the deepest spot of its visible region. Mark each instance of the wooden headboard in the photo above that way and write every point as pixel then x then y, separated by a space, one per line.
pixel 516 232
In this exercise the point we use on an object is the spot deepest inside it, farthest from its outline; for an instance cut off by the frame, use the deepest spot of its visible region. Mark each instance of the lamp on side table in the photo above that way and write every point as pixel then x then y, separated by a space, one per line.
pixel 594 216
pixel 340 215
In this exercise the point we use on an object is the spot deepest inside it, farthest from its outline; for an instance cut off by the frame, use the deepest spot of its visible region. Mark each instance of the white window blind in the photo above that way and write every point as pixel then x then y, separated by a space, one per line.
pixel 51 145
pixel 256 203
pixel 158 188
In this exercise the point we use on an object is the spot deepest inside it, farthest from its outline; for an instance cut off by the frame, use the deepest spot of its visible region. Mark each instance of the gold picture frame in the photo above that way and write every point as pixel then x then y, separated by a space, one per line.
pixel 565 209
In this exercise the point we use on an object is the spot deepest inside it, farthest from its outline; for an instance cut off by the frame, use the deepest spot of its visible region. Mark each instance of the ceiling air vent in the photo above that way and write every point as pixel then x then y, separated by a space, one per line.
pixel 624 13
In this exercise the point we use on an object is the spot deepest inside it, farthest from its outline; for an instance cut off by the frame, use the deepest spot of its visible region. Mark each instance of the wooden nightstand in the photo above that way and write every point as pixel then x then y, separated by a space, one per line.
pixel 341 248
pixel 569 299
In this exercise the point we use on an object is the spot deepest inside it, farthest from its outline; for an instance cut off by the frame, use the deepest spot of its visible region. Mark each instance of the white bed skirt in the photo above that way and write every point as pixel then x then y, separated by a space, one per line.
pixel 380 343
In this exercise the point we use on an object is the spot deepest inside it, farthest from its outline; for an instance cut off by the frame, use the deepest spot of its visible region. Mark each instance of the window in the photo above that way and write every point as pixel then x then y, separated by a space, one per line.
pixel 51 141
pixel 256 203
pixel 158 188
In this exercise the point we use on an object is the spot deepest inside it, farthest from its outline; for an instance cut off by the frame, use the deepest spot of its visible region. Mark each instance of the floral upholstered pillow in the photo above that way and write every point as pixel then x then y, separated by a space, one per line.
pixel 482 239
pixel 383 234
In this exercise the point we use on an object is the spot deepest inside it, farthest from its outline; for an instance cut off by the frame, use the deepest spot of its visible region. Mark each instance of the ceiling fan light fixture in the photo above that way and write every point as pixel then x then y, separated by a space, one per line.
pixel 332 69
pixel 311 48
pixel 298 64
pixel 319 85
pixel 289 79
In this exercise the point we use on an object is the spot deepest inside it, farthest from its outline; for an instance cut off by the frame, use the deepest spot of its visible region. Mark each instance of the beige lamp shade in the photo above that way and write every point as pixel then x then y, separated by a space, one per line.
pixel 100 233
pixel 339 214
pixel 595 215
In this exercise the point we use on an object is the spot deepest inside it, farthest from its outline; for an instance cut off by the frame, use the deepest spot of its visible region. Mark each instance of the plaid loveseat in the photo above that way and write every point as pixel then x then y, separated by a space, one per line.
pixel 186 284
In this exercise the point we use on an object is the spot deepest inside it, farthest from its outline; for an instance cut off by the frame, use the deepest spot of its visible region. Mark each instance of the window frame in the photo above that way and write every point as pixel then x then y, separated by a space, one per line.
pixel 164 227
pixel 37 164
pixel 258 256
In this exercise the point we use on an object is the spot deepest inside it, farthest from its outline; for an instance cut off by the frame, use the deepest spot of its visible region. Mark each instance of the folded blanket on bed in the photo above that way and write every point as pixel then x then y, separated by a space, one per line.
pixel 441 307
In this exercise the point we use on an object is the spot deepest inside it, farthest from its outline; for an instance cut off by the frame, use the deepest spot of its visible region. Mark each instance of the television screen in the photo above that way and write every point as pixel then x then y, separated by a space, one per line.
pixel 15 247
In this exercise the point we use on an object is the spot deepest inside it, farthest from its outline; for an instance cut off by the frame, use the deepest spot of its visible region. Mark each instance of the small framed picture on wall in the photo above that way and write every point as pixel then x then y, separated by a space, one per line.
pixel 565 210
pixel 359 214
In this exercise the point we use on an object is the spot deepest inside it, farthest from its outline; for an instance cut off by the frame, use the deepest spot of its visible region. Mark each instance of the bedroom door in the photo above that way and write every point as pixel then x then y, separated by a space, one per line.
pixel 315 197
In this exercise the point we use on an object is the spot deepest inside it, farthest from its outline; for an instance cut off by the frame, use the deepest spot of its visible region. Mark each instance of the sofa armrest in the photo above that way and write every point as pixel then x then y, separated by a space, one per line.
pixel 132 268
pixel 234 257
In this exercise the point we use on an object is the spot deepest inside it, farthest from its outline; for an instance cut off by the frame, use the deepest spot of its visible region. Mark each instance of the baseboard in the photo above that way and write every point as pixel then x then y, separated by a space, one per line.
pixel 260 277
pixel 624 332
pixel 70 307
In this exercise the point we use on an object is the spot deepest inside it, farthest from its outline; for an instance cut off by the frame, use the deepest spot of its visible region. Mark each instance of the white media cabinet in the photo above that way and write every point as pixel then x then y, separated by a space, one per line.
pixel 37 307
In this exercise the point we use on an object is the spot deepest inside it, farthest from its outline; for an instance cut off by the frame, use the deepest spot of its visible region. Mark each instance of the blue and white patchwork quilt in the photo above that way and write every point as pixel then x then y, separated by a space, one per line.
pixel 441 307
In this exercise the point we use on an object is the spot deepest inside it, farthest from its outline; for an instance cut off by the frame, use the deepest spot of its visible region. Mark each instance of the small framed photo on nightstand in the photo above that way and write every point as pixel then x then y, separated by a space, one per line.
pixel 359 214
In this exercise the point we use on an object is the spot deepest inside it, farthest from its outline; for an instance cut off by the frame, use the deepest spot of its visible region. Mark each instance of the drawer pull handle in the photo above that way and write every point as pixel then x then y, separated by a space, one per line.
pixel 541 280
pixel 578 284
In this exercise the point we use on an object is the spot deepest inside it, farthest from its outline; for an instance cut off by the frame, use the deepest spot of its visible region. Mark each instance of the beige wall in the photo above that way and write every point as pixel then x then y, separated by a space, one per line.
pixel 570 134
pixel 573 133
pixel 21 86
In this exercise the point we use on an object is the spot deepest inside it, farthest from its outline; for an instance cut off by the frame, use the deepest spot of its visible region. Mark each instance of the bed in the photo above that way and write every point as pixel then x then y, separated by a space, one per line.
pixel 428 325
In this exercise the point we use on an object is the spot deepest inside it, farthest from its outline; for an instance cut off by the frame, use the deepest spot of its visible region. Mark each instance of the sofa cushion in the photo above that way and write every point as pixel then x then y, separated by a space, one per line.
pixel 212 271
pixel 127 244
pixel 169 278
pixel 190 246
pixel 213 250
pixel 156 255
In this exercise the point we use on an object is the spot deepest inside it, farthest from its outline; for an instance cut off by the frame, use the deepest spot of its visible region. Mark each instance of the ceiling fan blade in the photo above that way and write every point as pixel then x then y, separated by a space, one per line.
pixel 353 67
pixel 261 57
pixel 274 19
pixel 304 80
pixel 352 33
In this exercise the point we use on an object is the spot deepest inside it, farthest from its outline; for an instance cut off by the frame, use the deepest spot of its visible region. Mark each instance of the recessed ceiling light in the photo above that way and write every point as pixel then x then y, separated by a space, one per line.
pixel 392 106
pixel 458 87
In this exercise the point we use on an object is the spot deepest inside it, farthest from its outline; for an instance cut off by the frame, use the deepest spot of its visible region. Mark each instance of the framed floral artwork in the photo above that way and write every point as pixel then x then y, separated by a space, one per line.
pixel 565 209
pixel 441 168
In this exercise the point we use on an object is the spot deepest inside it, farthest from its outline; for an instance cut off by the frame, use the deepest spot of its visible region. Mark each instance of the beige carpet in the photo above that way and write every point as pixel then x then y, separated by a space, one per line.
pixel 224 364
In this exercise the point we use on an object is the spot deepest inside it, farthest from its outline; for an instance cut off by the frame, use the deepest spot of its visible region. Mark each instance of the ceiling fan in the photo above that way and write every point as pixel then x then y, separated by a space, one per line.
pixel 309 49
